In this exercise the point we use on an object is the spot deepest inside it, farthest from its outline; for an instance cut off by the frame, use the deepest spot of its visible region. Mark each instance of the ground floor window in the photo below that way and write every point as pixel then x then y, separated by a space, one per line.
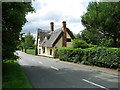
pixel 39 51
pixel 50 51
pixel 43 49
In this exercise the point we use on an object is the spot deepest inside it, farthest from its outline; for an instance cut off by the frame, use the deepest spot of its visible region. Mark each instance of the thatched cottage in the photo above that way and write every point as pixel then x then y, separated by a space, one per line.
pixel 50 40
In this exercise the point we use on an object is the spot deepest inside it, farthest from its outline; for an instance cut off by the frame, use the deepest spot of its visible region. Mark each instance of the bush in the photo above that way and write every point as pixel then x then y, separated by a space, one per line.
pixel 99 56
pixel 102 56
pixel 91 45
pixel 30 51
pixel 77 43
pixel 70 54
pixel 55 54
pixel 106 42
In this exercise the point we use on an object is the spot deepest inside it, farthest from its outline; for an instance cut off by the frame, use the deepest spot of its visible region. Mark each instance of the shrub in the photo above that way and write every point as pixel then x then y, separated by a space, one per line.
pixel 99 56
pixel 30 51
pixel 91 45
pixel 77 43
pixel 106 42
pixel 55 54
pixel 70 54
pixel 102 56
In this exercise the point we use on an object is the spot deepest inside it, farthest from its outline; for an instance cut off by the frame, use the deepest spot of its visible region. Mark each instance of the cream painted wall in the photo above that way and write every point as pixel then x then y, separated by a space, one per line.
pixel 69 43
pixel 48 50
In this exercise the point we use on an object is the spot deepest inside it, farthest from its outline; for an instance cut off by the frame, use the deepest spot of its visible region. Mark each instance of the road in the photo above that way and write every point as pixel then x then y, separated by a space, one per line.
pixel 46 72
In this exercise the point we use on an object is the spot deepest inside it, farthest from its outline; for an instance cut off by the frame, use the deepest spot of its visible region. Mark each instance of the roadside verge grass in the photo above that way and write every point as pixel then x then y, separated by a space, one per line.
pixel 14 76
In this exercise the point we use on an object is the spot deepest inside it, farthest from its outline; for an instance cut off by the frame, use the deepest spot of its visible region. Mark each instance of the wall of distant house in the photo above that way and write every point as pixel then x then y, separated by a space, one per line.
pixel 69 43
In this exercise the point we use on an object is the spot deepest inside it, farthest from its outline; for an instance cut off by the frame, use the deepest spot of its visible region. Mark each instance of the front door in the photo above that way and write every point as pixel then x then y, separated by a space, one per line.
pixel 50 51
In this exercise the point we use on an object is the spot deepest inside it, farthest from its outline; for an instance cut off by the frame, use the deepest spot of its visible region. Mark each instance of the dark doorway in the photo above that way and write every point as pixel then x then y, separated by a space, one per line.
pixel 50 51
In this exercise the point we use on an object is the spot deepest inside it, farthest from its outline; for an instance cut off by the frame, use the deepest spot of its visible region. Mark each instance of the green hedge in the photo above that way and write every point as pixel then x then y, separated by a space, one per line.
pixel 102 56
pixel 99 56
pixel 70 54
pixel 31 51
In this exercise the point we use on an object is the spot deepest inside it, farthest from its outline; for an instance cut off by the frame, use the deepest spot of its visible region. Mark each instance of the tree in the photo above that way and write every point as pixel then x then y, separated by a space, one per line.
pixel 29 41
pixel 77 43
pixel 21 41
pixel 104 18
pixel 13 18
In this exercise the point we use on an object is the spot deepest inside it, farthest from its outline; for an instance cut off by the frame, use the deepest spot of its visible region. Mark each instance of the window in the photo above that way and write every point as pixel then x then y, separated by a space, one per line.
pixel 68 40
pixel 50 51
pixel 39 51
pixel 43 49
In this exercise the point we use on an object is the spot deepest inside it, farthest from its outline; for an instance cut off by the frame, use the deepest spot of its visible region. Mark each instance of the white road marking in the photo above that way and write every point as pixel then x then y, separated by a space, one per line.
pixel 95 84
pixel 25 64
pixel 54 68
pixel 40 62
pixel 32 60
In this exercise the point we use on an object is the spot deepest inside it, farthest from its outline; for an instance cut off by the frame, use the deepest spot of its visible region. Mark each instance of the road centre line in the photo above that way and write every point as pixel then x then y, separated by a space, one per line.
pixel 54 68
pixel 40 62
pixel 95 84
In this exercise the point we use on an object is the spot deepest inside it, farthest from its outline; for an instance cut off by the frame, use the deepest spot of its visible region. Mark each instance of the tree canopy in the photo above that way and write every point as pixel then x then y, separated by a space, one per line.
pixel 103 18
pixel 13 18
pixel 29 41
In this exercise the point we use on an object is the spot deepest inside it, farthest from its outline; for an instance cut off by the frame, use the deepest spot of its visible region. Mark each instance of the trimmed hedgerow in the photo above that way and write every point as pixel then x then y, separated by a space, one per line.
pixel 99 56
pixel 70 54
pixel 102 56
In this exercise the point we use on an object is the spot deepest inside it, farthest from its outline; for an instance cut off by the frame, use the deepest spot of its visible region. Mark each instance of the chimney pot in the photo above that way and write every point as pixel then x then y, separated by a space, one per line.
pixel 52 26
pixel 64 24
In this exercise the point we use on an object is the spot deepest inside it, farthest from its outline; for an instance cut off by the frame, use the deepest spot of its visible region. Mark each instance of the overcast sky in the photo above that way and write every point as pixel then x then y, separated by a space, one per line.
pixel 56 11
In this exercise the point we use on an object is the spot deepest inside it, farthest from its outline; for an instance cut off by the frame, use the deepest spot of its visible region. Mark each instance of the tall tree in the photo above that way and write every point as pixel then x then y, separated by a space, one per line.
pixel 103 17
pixel 29 41
pixel 13 18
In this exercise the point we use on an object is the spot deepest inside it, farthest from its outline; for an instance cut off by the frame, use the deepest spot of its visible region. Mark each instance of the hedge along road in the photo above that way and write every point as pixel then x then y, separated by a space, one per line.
pixel 46 72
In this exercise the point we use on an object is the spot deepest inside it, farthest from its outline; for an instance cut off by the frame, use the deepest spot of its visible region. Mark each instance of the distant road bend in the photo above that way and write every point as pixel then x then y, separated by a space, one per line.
pixel 49 73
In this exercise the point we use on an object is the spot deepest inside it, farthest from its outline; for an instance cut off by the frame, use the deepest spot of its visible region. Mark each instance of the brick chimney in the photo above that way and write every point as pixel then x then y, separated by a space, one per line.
pixel 52 26
pixel 64 33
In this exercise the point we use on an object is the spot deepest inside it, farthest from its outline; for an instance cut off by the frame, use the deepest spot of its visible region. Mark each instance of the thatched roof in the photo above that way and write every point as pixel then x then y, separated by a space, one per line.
pixel 52 37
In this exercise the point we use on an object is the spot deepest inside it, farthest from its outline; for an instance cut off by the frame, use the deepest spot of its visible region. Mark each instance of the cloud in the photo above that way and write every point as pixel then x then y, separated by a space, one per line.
pixel 56 11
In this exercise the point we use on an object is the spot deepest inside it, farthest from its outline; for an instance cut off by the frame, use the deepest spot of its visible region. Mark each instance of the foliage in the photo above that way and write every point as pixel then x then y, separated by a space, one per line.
pixel 29 41
pixel 77 43
pixel 99 56
pixel 55 54
pixel 106 42
pixel 14 76
pixel 104 18
pixel 70 54
pixel 102 56
pixel 91 36
pixel 26 42
pixel 30 51
pixel 13 18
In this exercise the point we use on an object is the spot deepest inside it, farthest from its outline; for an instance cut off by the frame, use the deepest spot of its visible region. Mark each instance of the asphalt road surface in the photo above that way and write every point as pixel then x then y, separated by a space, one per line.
pixel 46 72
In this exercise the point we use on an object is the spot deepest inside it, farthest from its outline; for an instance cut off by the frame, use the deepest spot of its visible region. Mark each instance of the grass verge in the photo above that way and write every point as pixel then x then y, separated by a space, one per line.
pixel 31 51
pixel 14 76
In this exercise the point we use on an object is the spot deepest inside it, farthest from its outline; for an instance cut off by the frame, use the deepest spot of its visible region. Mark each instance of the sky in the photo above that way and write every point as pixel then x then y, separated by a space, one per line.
pixel 56 11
